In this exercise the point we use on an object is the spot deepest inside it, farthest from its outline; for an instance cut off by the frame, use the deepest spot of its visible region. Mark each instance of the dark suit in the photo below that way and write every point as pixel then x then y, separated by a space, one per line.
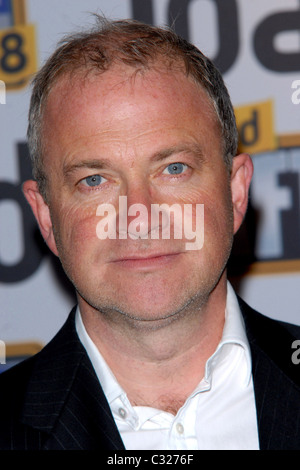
pixel 54 401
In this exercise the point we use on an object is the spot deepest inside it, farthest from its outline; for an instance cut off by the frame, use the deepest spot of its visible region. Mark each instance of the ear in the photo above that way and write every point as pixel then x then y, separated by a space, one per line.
pixel 241 175
pixel 41 212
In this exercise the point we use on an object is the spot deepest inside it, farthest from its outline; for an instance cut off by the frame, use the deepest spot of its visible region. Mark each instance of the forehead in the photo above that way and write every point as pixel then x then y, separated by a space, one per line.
pixel 124 101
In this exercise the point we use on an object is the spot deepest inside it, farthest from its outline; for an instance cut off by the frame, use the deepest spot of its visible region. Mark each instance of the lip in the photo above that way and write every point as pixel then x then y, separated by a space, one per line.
pixel 146 262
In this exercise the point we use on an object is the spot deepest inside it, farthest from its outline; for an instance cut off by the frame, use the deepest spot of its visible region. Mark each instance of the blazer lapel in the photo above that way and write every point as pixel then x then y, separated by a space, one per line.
pixel 276 381
pixel 65 401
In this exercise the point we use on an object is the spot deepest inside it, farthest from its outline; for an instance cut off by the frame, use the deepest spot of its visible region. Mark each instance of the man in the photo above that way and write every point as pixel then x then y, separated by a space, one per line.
pixel 159 353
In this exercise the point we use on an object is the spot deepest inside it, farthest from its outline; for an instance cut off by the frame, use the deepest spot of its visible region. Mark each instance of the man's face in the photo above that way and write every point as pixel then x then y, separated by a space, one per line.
pixel 152 137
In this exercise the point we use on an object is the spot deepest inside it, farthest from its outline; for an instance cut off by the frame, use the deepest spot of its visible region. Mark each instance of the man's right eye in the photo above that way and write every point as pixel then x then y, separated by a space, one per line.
pixel 94 180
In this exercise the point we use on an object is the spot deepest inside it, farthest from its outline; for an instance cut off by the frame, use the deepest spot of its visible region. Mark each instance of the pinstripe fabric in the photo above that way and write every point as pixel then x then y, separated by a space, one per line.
pixel 276 380
pixel 64 406
pixel 54 400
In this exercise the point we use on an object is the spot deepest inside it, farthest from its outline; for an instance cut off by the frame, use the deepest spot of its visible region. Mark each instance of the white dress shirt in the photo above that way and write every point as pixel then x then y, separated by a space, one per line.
pixel 220 414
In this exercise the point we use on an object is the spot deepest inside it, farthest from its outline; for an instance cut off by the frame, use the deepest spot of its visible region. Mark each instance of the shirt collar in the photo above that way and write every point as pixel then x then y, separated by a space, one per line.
pixel 109 383
pixel 233 333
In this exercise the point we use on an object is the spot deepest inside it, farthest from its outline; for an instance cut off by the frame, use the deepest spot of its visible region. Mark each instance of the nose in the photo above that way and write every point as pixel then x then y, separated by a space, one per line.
pixel 134 217
pixel 141 215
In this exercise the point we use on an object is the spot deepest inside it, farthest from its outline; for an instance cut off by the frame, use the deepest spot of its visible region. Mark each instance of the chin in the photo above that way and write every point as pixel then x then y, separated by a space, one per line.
pixel 144 313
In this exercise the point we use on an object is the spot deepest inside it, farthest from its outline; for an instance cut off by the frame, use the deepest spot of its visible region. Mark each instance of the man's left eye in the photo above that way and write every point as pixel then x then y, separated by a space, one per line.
pixel 94 180
pixel 175 168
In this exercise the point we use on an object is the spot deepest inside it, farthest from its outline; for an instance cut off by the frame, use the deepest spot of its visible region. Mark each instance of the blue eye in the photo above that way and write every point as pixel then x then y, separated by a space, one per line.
pixel 94 180
pixel 175 168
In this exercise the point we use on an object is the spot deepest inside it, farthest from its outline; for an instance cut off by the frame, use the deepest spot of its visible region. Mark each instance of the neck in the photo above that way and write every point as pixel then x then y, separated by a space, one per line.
pixel 150 361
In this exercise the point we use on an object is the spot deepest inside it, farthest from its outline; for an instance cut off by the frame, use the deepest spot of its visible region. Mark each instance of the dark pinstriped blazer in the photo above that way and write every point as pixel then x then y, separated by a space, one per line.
pixel 54 401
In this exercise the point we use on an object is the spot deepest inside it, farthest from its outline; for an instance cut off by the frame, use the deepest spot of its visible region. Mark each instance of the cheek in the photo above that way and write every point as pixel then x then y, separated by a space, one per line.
pixel 218 214
pixel 74 228
pixel 217 207
pixel 219 225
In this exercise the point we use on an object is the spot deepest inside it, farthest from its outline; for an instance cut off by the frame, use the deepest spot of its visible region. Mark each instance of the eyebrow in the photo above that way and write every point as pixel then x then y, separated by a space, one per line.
pixel 97 164
pixel 100 164
pixel 194 148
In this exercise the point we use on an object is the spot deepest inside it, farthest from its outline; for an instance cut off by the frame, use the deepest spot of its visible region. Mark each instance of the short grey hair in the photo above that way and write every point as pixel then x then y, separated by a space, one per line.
pixel 138 45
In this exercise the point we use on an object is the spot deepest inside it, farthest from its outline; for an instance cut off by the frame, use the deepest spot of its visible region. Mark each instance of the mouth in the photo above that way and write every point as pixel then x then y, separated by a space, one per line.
pixel 147 261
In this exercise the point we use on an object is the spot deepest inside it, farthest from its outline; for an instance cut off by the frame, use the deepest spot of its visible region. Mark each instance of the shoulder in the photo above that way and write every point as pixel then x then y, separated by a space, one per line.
pixel 13 386
pixel 273 341
pixel 259 325
pixel 13 389
pixel 38 387
pixel 18 374
pixel 43 366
